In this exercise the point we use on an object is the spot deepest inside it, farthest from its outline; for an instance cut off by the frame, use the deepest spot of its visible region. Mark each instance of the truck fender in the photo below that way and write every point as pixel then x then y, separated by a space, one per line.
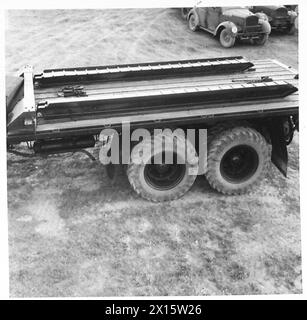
pixel 193 11
pixel 266 27
pixel 279 145
pixel 293 16
pixel 262 16
pixel 226 25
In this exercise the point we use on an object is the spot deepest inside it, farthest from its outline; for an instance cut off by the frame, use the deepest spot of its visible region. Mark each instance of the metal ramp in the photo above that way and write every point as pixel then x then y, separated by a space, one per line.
pixel 152 101
pixel 149 70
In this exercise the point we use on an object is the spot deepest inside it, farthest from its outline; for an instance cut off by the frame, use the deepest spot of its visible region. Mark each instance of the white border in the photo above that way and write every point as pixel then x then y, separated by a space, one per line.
pixel 4 264
pixel 98 4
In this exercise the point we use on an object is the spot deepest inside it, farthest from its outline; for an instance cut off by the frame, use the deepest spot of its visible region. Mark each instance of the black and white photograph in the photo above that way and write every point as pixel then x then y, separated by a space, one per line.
pixel 153 151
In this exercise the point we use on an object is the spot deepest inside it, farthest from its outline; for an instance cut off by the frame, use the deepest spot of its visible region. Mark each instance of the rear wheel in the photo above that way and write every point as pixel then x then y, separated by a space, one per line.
pixel 193 22
pixel 262 39
pixel 162 182
pixel 227 39
pixel 237 160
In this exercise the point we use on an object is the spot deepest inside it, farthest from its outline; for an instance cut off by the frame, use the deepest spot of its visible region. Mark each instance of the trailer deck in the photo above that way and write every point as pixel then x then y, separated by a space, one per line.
pixel 129 94
pixel 64 110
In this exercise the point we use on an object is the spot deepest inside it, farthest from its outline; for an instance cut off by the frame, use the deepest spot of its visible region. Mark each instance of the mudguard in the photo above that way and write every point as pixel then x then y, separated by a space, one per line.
pixel 193 11
pixel 228 25
pixel 293 16
pixel 266 27
pixel 279 145
pixel 264 21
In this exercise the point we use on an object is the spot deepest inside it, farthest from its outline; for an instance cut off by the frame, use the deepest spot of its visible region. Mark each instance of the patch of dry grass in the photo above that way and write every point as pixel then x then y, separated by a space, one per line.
pixel 74 235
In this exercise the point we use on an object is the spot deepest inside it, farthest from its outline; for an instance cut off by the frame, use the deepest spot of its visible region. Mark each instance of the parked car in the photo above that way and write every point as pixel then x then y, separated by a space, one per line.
pixel 230 23
pixel 280 18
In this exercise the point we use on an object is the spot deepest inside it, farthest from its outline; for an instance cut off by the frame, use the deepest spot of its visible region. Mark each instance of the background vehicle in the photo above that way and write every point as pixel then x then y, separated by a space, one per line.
pixel 280 17
pixel 249 108
pixel 229 24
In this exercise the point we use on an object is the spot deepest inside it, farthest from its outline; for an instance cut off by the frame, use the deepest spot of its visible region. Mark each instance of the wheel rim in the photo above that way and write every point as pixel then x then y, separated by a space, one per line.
pixel 164 176
pixel 239 164
pixel 227 37
pixel 192 22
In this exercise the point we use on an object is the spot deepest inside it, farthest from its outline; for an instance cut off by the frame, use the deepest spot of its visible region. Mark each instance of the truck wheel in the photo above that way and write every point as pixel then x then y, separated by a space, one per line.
pixel 193 22
pixel 185 12
pixel 237 160
pixel 262 39
pixel 292 29
pixel 227 40
pixel 162 182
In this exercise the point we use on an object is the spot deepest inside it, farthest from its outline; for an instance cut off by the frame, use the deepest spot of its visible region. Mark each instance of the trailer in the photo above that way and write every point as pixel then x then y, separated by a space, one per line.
pixel 249 109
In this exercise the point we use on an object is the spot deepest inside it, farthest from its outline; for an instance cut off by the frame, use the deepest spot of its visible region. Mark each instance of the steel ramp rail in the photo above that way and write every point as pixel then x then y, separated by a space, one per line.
pixel 143 70
pixel 124 103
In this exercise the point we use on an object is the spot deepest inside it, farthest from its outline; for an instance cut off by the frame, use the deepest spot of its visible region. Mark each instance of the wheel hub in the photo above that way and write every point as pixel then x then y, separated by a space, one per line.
pixel 164 176
pixel 239 163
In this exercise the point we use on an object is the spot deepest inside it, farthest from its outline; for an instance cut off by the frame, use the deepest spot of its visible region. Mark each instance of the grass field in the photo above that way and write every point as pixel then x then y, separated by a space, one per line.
pixel 72 234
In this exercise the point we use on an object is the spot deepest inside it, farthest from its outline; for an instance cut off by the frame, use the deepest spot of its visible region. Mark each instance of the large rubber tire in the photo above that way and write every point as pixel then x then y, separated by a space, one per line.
pixel 227 40
pixel 243 144
pixel 292 29
pixel 262 39
pixel 193 22
pixel 147 187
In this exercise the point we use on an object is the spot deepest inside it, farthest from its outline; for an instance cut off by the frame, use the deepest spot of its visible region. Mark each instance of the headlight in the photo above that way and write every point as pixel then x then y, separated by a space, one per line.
pixel 262 16
pixel 234 29
pixel 292 13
